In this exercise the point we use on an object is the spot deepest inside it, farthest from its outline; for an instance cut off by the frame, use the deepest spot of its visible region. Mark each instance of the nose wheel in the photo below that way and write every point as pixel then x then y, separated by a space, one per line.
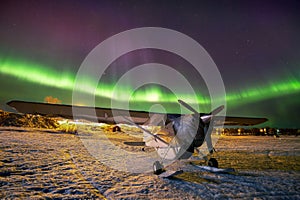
pixel 212 162
pixel 158 168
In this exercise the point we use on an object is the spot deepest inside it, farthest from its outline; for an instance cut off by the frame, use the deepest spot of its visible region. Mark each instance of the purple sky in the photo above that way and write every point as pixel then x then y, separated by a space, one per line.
pixel 253 43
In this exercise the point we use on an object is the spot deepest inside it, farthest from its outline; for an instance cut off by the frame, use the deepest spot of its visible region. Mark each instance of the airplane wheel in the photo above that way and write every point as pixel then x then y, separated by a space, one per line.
pixel 213 163
pixel 157 168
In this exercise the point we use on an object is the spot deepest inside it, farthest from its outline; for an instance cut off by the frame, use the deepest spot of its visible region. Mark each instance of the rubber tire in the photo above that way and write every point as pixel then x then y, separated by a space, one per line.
pixel 213 163
pixel 157 168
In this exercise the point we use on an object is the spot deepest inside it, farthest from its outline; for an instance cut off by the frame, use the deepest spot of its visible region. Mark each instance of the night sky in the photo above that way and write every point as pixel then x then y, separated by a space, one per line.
pixel 255 44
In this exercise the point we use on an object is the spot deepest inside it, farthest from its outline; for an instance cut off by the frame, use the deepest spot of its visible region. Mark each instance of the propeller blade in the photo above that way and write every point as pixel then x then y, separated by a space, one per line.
pixel 217 110
pixel 187 106
pixel 207 118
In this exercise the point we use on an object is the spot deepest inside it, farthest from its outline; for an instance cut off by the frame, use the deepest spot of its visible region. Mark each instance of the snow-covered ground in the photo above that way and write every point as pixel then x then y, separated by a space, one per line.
pixel 41 164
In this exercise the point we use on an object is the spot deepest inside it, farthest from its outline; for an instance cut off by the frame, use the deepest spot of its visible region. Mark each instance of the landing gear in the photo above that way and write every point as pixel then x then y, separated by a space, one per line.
pixel 158 168
pixel 213 163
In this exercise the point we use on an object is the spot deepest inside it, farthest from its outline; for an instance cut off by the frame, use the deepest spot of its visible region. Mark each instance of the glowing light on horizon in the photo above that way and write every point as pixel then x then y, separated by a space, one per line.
pixel 46 76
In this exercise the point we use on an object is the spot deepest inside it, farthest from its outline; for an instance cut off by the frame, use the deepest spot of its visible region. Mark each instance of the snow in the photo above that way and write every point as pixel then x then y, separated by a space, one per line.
pixel 39 163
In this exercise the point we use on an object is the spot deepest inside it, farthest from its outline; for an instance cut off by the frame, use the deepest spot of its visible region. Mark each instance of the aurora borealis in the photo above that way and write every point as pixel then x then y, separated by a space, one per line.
pixel 36 74
pixel 255 46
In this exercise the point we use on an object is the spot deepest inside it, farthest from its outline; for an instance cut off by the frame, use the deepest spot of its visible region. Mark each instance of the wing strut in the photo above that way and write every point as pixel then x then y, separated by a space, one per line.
pixel 145 130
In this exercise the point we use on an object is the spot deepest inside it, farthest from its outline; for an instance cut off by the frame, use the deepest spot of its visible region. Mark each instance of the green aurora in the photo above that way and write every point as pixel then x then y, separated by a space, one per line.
pixel 38 81
pixel 46 76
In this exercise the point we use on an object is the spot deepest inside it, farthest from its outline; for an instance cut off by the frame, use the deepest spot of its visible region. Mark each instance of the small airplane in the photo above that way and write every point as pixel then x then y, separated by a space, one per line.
pixel 179 137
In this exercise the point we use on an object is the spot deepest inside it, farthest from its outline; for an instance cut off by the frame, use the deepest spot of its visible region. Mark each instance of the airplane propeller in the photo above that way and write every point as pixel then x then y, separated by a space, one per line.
pixel 206 118
pixel 205 121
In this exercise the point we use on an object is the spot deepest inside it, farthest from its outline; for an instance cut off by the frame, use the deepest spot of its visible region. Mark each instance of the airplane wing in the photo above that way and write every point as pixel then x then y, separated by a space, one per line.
pixel 238 121
pixel 66 111
pixel 106 114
